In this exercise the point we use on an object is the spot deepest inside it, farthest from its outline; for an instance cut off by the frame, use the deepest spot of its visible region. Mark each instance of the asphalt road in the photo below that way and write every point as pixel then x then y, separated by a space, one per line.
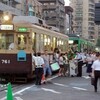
pixel 60 88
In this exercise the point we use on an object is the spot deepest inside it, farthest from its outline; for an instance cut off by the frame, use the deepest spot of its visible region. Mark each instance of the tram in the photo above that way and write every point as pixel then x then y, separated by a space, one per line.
pixel 17 43
pixel 80 44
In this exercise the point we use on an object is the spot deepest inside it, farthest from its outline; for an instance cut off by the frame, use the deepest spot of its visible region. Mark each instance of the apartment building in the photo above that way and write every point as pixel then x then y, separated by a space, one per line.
pixel 69 21
pixel 11 6
pixel 21 7
pixel 54 13
pixel 83 17
pixel 32 8
pixel 97 27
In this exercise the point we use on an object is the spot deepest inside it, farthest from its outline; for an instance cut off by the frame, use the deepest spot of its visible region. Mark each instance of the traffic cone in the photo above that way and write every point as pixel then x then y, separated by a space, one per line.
pixel 9 92
pixel 43 78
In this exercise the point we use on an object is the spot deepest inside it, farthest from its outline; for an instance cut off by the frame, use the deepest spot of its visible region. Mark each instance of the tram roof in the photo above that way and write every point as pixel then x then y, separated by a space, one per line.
pixel 30 25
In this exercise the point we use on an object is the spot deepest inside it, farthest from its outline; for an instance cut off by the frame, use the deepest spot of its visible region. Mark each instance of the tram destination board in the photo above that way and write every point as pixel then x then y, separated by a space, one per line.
pixel 7 27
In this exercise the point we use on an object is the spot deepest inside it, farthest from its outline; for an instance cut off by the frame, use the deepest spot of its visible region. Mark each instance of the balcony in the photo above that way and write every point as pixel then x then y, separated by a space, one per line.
pixel 49 7
pixel 18 1
pixel 50 15
pixel 62 9
pixel 14 11
pixel 50 22
pixel 61 1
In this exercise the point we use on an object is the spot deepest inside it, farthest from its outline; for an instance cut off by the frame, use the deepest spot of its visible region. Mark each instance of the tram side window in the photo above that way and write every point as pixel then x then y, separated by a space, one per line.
pixel 47 42
pixel 34 41
pixel 54 42
pixel 6 41
pixel 60 44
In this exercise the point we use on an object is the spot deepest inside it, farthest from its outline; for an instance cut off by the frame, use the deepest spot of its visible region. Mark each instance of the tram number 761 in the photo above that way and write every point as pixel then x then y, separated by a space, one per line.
pixel 5 61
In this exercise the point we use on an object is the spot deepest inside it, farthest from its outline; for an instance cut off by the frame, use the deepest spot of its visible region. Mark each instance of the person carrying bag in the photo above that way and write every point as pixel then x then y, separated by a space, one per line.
pixel 96 71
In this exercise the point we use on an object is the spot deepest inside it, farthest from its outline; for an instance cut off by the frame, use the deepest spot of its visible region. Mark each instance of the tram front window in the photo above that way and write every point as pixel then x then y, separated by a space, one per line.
pixel 21 42
pixel 5 40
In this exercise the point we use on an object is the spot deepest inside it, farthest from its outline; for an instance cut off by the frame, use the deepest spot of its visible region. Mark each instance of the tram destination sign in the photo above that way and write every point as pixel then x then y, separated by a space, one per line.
pixel 22 29
pixel 6 27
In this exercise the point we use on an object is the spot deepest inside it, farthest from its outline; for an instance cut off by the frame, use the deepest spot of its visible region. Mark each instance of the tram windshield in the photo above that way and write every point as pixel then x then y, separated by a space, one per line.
pixel 6 39
pixel 22 41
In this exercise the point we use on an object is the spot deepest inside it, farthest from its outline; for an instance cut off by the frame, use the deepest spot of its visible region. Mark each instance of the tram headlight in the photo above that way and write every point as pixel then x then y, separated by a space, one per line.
pixel 70 41
pixel 6 17
pixel 97 49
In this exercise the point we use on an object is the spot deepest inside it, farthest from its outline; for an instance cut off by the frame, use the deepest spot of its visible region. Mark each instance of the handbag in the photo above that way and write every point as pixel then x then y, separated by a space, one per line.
pixel 92 81
pixel 55 66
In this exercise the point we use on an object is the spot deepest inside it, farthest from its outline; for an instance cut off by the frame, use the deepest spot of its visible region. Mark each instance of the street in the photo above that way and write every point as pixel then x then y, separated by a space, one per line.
pixel 59 88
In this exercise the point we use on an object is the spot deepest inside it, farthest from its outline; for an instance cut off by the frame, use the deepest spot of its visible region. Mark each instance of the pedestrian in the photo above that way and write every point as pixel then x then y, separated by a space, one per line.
pixel 56 55
pixel 33 60
pixel 46 68
pixel 79 63
pixel 66 64
pixel 61 64
pixel 96 71
pixel 39 63
pixel 89 64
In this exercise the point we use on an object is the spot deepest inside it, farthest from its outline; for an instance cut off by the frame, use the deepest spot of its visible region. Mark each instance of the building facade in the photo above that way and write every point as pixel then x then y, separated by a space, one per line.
pixel 54 13
pixel 97 18
pixel 32 8
pixel 69 21
pixel 11 6
pixel 83 17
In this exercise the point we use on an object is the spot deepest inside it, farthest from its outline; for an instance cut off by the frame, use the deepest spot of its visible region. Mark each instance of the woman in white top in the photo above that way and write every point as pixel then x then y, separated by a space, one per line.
pixel 89 64
pixel 96 71
pixel 61 63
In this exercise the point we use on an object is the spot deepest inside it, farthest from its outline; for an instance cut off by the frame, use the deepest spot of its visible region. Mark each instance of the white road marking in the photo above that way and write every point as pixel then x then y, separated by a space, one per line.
pixel 3 85
pixel 19 92
pixel 51 90
pixel 18 98
pixel 60 84
pixel 78 88
pixel 52 78
pixel 86 77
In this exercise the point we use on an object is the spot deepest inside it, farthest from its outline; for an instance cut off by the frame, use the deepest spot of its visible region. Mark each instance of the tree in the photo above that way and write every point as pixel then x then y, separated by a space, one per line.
pixel 98 42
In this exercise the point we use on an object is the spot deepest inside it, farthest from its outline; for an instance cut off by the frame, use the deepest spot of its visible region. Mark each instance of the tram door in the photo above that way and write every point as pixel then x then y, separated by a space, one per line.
pixel 22 41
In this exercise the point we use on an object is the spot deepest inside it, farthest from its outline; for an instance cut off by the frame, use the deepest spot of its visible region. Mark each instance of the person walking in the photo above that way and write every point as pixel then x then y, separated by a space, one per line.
pixel 46 67
pixel 89 64
pixel 66 64
pixel 56 55
pixel 80 63
pixel 61 64
pixel 96 71
pixel 39 63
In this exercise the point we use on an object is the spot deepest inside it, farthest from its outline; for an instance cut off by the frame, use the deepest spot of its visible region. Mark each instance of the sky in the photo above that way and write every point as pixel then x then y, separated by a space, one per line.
pixel 67 2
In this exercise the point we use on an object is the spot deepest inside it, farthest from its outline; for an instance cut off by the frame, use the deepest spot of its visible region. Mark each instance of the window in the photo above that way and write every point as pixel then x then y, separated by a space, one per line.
pixel 33 41
pixel 5 40
pixel 52 3
pixel 22 41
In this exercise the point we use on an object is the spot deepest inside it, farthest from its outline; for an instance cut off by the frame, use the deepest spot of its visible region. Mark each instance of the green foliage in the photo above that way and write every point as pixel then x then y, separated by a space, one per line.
pixel 98 42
